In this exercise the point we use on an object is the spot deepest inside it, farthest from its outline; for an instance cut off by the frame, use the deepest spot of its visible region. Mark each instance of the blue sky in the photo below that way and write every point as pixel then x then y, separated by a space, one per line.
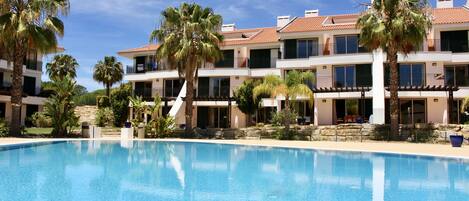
pixel 98 28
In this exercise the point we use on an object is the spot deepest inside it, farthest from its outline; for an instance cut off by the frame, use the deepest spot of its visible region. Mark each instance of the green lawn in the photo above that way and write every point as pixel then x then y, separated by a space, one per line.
pixel 38 131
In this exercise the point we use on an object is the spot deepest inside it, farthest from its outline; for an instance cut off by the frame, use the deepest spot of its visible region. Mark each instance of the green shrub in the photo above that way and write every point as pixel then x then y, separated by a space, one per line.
pixel 88 98
pixel 279 118
pixel 104 117
pixel 120 104
pixel 4 128
pixel 41 120
pixel 103 101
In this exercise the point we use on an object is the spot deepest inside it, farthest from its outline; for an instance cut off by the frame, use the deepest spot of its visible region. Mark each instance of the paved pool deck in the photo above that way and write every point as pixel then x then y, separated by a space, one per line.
pixel 440 150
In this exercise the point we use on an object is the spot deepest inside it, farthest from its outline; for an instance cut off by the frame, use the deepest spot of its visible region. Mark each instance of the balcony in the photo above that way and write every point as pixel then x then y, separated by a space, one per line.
pixel 145 68
pixel 454 46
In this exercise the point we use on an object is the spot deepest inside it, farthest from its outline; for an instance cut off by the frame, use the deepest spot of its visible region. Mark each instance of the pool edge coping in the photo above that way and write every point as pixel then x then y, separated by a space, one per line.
pixel 253 143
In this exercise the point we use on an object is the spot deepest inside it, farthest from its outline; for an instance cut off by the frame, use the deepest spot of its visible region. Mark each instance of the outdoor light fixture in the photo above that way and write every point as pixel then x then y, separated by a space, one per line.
pixel 435 100
pixel 324 100
pixel 324 67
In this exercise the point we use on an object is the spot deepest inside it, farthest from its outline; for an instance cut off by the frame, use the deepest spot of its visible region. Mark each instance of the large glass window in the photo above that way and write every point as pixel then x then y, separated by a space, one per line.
pixel 29 85
pixel 347 44
pixel 260 58
pixel 214 87
pixel 143 89
pixel 172 87
pixel 307 48
pixel 412 111
pixel 227 61
pixel 353 110
pixel 455 41
pixel 212 117
pixel 457 75
pixel 344 76
pixel 411 75
pixel 457 116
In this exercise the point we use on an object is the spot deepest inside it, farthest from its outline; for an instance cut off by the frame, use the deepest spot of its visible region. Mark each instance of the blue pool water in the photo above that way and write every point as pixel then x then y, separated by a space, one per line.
pixel 87 171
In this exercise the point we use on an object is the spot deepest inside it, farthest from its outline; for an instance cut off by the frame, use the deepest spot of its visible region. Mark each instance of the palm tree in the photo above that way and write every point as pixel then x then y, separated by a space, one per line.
pixel 61 66
pixel 395 26
pixel 292 87
pixel 24 26
pixel 188 38
pixel 108 71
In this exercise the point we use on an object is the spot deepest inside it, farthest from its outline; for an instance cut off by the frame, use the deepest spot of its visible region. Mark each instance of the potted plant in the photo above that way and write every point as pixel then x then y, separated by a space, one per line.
pixel 456 140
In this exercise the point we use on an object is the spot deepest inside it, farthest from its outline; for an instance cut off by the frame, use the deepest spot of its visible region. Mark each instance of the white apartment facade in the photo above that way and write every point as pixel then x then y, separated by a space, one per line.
pixel 351 81
pixel 32 102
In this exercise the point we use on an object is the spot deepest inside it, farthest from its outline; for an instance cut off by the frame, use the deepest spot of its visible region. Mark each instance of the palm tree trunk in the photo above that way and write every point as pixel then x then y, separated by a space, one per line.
pixel 108 90
pixel 189 100
pixel 288 114
pixel 394 84
pixel 17 94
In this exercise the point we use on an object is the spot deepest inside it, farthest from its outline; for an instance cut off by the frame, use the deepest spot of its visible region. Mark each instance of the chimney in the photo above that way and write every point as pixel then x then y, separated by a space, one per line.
pixel 283 21
pixel 311 13
pixel 228 27
pixel 444 4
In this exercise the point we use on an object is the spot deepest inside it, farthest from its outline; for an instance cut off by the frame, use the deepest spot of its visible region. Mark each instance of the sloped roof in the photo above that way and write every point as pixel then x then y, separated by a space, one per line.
pixel 450 15
pixel 145 48
pixel 251 36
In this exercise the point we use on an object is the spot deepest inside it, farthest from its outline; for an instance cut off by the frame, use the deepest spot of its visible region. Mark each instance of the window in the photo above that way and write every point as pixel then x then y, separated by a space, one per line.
pixel 307 48
pixel 353 110
pixel 412 111
pixel 457 75
pixel 347 44
pixel 411 75
pixel 172 87
pixel 31 61
pixel 213 87
pixel 212 117
pixel 143 89
pixel 260 58
pixel 344 76
pixel 29 85
pixel 457 116
pixel 455 41
pixel 227 61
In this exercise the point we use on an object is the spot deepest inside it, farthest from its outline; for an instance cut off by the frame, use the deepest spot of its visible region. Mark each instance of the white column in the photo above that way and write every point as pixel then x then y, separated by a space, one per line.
pixel 378 87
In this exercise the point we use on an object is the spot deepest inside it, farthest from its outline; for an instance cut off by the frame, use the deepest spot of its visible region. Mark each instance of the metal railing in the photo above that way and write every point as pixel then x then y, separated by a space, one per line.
pixel 450 45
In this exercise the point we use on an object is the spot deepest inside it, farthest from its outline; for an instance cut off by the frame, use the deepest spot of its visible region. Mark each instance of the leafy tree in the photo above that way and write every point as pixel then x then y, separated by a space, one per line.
pixel 89 98
pixel 60 107
pixel 120 103
pixel 108 71
pixel 62 65
pixel 395 26
pixel 188 37
pixel 245 100
pixel 291 87
pixel 25 26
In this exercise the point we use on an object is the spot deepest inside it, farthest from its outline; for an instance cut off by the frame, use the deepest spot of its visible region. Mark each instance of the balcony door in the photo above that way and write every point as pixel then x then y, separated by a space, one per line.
pixel 29 85
pixel 140 64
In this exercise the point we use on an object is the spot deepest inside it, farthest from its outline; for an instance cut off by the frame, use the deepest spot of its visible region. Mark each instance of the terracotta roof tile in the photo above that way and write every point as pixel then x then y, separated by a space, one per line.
pixel 321 23
pixel 146 48
pixel 255 36
pixel 450 15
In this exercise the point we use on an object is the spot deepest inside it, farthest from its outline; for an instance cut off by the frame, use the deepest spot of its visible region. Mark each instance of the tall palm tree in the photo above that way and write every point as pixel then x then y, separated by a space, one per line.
pixel 108 71
pixel 395 26
pixel 292 87
pixel 188 37
pixel 28 25
pixel 61 66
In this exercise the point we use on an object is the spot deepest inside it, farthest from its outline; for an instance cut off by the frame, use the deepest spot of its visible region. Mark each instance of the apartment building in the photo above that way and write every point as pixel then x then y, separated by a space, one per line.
pixel 32 102
pixel 351 81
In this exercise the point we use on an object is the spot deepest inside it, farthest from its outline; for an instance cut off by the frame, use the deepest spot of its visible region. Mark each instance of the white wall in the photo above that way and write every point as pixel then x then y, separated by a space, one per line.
pixel 323 112
pixel 437 111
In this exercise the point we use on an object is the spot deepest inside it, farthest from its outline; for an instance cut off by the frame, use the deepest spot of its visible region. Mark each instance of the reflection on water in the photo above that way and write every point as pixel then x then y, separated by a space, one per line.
pixel 187 171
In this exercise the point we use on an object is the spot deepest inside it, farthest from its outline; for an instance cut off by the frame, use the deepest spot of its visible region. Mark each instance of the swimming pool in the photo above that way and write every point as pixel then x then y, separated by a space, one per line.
pixel 113 170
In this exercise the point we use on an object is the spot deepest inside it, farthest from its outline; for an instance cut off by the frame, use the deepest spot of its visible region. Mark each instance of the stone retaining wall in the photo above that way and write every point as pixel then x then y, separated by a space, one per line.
pixel 359 132
pixel 86 113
